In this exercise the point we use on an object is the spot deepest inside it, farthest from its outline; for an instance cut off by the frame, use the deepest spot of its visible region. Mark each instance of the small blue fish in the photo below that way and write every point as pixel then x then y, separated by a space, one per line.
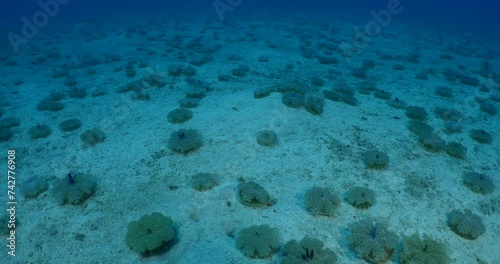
pixel 71 179
pixel 373 232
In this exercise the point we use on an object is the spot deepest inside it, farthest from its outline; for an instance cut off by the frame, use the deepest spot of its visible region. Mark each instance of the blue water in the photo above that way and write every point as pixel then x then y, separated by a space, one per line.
pixel 113 110
pixel 461 14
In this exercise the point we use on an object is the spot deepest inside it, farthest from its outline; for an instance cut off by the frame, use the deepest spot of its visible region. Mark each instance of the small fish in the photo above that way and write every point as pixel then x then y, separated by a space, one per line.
pixel 71 179
pixel 373 232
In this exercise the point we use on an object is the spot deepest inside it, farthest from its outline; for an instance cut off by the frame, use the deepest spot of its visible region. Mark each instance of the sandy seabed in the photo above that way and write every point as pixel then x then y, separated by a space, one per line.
pixel 135 172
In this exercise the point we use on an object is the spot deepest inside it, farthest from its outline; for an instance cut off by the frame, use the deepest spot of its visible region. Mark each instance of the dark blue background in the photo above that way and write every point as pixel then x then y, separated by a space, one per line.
pixel 460 14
